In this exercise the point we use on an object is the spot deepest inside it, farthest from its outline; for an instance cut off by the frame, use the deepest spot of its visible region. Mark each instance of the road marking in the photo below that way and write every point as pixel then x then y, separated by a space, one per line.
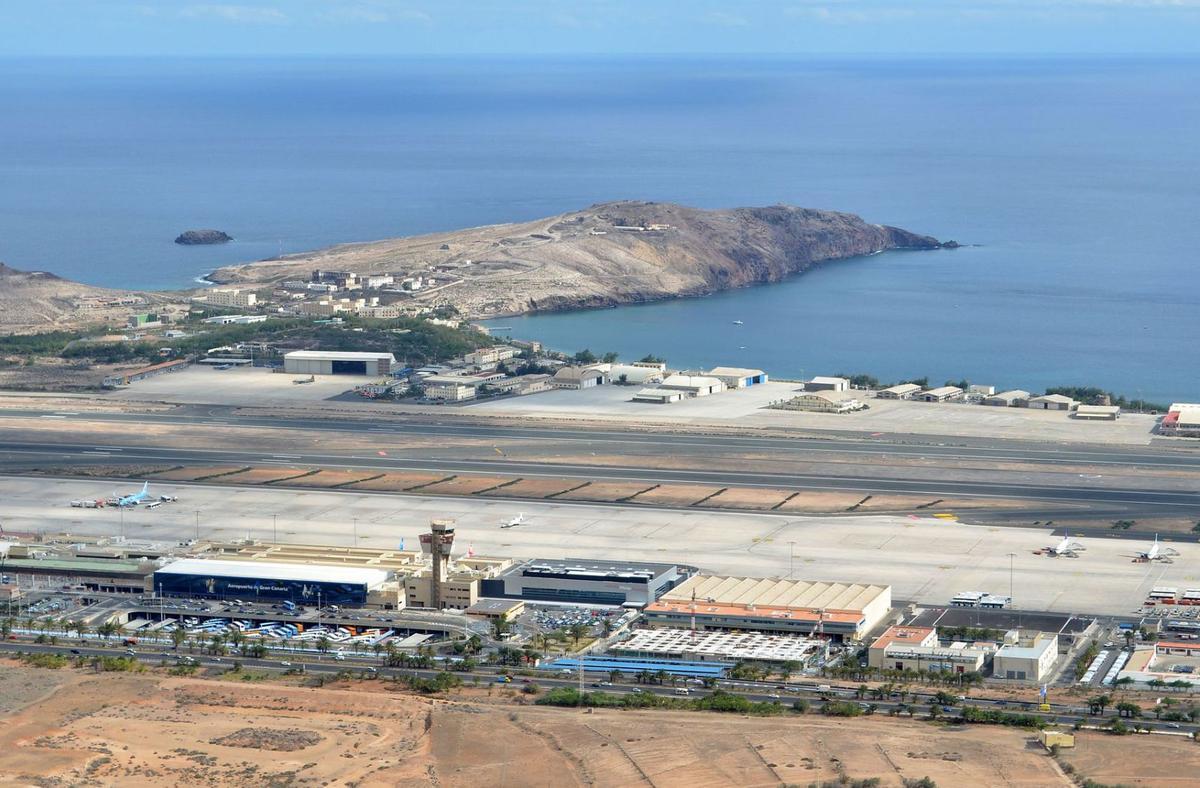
pixel 48 416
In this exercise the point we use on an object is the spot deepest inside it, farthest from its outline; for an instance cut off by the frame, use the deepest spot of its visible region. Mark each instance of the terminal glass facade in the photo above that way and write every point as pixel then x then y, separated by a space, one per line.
pixel 307 592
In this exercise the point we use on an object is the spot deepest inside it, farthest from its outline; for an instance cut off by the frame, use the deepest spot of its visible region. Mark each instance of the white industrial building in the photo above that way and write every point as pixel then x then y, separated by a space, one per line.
pixel 1098 412
pixel 579 378
pixel 1052 402
pixel 738 377
pixel 1026 657
pixel 337 362
pixel 823 383
pixel 824 402
pixel 1182 419
pixel 940 394
pixel 658 396
pixel 1007 399
pixel 693 385
pixel 902 391
pixel 635 374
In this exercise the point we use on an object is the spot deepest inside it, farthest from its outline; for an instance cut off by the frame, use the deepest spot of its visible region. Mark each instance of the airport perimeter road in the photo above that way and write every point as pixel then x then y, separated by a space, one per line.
pixel 16 455
pixel 759 692
pixel 643 439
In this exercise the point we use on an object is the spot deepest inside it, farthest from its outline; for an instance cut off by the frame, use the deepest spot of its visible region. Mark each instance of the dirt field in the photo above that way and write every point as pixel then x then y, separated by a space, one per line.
pixel 73 727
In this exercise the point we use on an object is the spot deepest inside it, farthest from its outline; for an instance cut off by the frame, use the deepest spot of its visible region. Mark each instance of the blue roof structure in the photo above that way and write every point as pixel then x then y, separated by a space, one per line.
pixel 633 665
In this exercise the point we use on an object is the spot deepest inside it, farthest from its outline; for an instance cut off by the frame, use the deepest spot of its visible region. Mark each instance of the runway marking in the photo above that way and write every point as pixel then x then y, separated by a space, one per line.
pixel 44 416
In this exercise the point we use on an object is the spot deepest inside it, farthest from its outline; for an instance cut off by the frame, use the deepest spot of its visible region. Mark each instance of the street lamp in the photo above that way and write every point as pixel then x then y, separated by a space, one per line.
pixel 791 559
pixel 275 528
pixel 355 532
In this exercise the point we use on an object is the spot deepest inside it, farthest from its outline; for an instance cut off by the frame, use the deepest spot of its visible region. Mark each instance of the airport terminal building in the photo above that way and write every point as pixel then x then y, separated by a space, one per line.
pixel 268 582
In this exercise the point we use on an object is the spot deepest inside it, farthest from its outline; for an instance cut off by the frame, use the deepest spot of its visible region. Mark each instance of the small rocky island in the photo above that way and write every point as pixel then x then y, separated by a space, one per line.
pixel 202 237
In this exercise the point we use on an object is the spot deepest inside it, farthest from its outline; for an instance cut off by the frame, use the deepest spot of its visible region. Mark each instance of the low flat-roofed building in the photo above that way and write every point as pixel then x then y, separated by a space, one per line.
pixel 823 402
pixel 495 608
pixel 940 394
pixel 337 362
pixel 586 581
pixel 1029 659
pixel 826 383
pixel 659 396
pixel 1098 412
pixel 901 391
pixel 451 388
pixel 981 390
pixel 1166 660
pixel 737 377
pixel 917 649
pixel 1052 402
pixel 522 384
pixel 693 385
pixel 1008 399
pixel 1182 420
pixel 708 646
pixel 265 581
pixel 125 378
pixel 842 610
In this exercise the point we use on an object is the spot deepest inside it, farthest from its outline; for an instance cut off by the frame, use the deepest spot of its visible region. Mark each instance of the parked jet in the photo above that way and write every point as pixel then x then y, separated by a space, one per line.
pixel 1157 552
pixel 1065 548
pixel 514 522
pixel 134 499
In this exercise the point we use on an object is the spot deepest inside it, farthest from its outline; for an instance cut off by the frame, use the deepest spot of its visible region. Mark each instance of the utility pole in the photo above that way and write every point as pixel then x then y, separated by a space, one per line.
pixel 275 528
pixel 197 525
pixel 1011 556
pixel 356 532
pixel 791 559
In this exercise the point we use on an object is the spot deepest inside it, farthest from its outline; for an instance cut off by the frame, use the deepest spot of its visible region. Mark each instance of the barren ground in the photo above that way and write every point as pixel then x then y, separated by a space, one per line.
pixel 149 729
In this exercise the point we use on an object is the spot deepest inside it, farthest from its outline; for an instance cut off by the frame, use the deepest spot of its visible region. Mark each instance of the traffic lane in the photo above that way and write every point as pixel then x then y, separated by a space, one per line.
pixel 659 437
pixel 86 454
pixel 1061 715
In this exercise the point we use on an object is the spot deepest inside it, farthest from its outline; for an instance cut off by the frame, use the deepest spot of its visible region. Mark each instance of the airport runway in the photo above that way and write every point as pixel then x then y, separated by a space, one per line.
pixel 664 440
pixel 17 454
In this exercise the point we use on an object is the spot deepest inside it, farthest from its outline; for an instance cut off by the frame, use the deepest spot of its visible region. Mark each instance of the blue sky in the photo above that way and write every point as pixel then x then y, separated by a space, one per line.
pixel 409 27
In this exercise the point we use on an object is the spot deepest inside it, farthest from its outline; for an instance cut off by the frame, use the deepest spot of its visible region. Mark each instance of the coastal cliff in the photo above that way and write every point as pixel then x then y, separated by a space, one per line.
pixel 608 254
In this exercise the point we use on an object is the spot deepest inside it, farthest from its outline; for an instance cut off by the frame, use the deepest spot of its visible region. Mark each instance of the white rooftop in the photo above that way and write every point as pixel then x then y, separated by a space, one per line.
pixel 720 644
pixel 262 570
pixel 740 372
pixel 338 355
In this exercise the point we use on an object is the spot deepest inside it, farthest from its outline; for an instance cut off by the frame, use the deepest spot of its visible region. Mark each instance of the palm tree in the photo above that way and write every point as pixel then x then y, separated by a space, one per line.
pixel 106 630
pixel 577 631
pixel 323 644
pixel 615 675
pixel 177 637
pixel 788 668
pixel 6 627
pixel 606 626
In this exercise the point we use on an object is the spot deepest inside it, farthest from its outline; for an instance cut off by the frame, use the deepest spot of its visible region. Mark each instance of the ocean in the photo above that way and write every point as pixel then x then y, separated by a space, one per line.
pixel 1073 180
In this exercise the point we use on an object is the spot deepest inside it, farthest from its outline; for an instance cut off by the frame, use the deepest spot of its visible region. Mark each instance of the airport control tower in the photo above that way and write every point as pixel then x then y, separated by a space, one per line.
pixel 437 544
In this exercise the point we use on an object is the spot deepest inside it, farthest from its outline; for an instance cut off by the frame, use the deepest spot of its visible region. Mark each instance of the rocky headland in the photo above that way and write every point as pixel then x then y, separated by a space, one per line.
pixel 608 254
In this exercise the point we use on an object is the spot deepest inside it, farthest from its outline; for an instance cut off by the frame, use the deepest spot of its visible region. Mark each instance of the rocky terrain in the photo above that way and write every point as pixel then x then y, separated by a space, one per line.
pixel 608 254
pixel 202 237
pixel 40 301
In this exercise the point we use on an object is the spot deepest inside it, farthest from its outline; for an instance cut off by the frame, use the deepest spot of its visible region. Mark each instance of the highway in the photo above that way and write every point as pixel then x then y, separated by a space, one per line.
pixel 17 454
pixel 761 692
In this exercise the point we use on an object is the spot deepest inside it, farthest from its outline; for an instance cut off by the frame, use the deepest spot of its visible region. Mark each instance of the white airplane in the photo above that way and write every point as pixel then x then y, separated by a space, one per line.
pixel 1065 548
pixel 1157 552
pixel 514 522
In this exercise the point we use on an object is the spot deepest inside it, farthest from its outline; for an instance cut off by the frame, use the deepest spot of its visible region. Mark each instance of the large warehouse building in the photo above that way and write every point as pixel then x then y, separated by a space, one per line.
pixel 337 362
pixel 581 580
pixel 260 581
pixel 846 611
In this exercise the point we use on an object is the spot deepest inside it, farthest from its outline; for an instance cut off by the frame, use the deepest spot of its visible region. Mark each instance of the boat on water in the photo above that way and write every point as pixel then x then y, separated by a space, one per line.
pixel 738 323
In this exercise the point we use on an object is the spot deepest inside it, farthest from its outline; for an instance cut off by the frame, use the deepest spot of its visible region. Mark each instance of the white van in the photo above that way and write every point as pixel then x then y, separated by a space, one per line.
pixel 682 691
